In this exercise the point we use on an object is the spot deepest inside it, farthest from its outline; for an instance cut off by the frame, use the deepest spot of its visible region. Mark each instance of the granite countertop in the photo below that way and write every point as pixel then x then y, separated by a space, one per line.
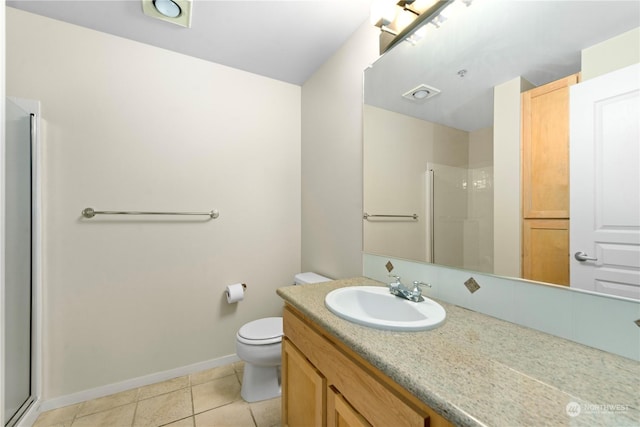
pixel 476 370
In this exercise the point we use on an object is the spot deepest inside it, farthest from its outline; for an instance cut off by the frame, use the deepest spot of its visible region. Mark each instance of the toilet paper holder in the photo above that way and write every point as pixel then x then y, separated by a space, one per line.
pixel 235 292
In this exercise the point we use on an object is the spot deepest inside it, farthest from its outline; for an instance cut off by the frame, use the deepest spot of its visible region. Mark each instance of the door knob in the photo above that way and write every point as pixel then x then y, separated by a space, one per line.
pixel 581 256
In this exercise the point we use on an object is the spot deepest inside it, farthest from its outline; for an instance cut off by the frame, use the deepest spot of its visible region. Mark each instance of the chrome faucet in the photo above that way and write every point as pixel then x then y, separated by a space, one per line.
pixel 398 289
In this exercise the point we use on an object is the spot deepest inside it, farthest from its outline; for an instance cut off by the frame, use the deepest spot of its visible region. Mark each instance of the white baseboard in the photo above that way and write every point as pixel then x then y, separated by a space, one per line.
pixel 94 393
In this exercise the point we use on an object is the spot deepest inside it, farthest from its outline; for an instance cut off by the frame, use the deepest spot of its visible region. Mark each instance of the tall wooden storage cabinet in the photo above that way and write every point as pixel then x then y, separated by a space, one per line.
pixel 545 182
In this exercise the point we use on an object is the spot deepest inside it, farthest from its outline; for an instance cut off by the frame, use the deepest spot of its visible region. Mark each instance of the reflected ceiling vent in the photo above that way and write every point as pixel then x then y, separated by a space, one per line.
pixel 421 93
pixel 175 11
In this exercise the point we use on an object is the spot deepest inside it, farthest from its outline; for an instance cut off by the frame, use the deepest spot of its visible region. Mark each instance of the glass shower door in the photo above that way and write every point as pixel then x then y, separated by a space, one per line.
pixel 18 263
pixel 447 211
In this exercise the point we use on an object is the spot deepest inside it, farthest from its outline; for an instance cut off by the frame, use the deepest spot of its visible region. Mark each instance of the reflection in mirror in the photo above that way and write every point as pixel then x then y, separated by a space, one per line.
pixel 442 138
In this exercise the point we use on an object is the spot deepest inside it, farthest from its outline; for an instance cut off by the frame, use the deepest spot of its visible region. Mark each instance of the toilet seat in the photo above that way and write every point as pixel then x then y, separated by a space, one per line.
pixel 261 332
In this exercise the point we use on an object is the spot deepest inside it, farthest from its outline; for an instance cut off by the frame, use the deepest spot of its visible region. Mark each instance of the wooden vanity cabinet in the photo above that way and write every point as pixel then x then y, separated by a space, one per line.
pixel 324 383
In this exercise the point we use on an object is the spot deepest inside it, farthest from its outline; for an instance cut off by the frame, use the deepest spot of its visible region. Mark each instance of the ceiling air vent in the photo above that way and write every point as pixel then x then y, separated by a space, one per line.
pixel 421 93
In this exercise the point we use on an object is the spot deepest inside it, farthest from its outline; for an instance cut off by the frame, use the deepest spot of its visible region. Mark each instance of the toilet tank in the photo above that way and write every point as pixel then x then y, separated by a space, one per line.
pixel 309 277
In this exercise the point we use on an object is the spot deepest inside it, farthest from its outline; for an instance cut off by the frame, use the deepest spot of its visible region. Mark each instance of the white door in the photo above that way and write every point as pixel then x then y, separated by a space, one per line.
pixel 605 183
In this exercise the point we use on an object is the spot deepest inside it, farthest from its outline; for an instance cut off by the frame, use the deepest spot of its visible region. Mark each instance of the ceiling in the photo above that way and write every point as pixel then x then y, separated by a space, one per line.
pixel 494 41
pixel 287 40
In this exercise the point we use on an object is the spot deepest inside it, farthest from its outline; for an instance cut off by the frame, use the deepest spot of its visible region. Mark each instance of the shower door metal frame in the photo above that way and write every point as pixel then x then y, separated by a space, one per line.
pixel 27 410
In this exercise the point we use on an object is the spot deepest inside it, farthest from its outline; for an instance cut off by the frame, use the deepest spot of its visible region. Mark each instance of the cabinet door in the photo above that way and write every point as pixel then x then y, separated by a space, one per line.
pixel 545 150
pixel 303 390
pixel 545 255
pixel 340 413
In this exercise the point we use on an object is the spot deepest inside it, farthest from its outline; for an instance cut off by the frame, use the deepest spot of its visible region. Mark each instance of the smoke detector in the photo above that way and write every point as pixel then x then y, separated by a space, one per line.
pixel 421 93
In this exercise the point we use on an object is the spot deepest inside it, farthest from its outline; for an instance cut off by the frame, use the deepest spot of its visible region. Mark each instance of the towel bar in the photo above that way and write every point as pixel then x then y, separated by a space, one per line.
pixel 90 213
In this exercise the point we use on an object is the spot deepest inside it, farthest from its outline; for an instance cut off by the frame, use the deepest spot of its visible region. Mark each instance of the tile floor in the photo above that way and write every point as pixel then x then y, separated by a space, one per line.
pixel 205 399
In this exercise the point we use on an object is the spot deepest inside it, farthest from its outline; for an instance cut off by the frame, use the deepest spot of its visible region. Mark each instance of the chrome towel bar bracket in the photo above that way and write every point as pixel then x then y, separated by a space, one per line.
pixel 90 213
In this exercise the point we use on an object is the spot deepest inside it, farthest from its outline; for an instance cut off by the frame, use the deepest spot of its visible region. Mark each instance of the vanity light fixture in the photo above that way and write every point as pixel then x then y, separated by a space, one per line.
pixel 175 11
pixel 393 16
pixel 402 20
pixel 421 93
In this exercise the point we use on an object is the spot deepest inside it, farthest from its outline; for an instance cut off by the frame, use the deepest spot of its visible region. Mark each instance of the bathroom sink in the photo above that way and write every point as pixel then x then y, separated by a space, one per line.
pixel 375 307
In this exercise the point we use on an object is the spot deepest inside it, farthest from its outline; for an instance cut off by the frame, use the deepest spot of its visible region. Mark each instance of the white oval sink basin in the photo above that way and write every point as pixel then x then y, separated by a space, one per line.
pixel 374 306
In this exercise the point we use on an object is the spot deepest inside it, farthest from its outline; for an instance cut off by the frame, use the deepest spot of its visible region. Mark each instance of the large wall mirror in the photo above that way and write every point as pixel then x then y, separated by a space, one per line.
pixel 443 146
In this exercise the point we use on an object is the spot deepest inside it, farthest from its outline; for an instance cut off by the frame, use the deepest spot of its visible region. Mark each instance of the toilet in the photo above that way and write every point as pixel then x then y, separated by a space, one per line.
pixel 259 345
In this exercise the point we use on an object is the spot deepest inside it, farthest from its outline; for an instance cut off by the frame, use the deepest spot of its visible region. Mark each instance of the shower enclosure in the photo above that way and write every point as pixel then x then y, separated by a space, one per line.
pixel 459 211
pixel 20 271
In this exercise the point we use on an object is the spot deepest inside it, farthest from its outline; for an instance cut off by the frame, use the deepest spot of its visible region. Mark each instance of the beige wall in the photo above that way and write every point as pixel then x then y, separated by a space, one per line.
pixel 506 178
pixel 332 159
pixel 613 54
pixel 396 154
pixel 481 148
pixel 134 127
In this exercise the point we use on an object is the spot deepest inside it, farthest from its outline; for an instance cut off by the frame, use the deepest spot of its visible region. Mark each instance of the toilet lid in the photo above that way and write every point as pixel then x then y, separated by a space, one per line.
pixel 262 331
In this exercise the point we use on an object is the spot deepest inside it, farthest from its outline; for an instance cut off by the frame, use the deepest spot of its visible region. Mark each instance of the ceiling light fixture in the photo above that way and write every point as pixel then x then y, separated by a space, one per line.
pixel 175 11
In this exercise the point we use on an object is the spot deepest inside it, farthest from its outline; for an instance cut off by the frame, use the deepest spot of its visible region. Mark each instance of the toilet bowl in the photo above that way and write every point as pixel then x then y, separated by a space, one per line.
pixel 259 345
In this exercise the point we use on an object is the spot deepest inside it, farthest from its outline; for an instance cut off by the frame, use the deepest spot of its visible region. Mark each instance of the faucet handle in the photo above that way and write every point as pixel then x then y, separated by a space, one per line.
pixel 417 284
pixel 394 285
